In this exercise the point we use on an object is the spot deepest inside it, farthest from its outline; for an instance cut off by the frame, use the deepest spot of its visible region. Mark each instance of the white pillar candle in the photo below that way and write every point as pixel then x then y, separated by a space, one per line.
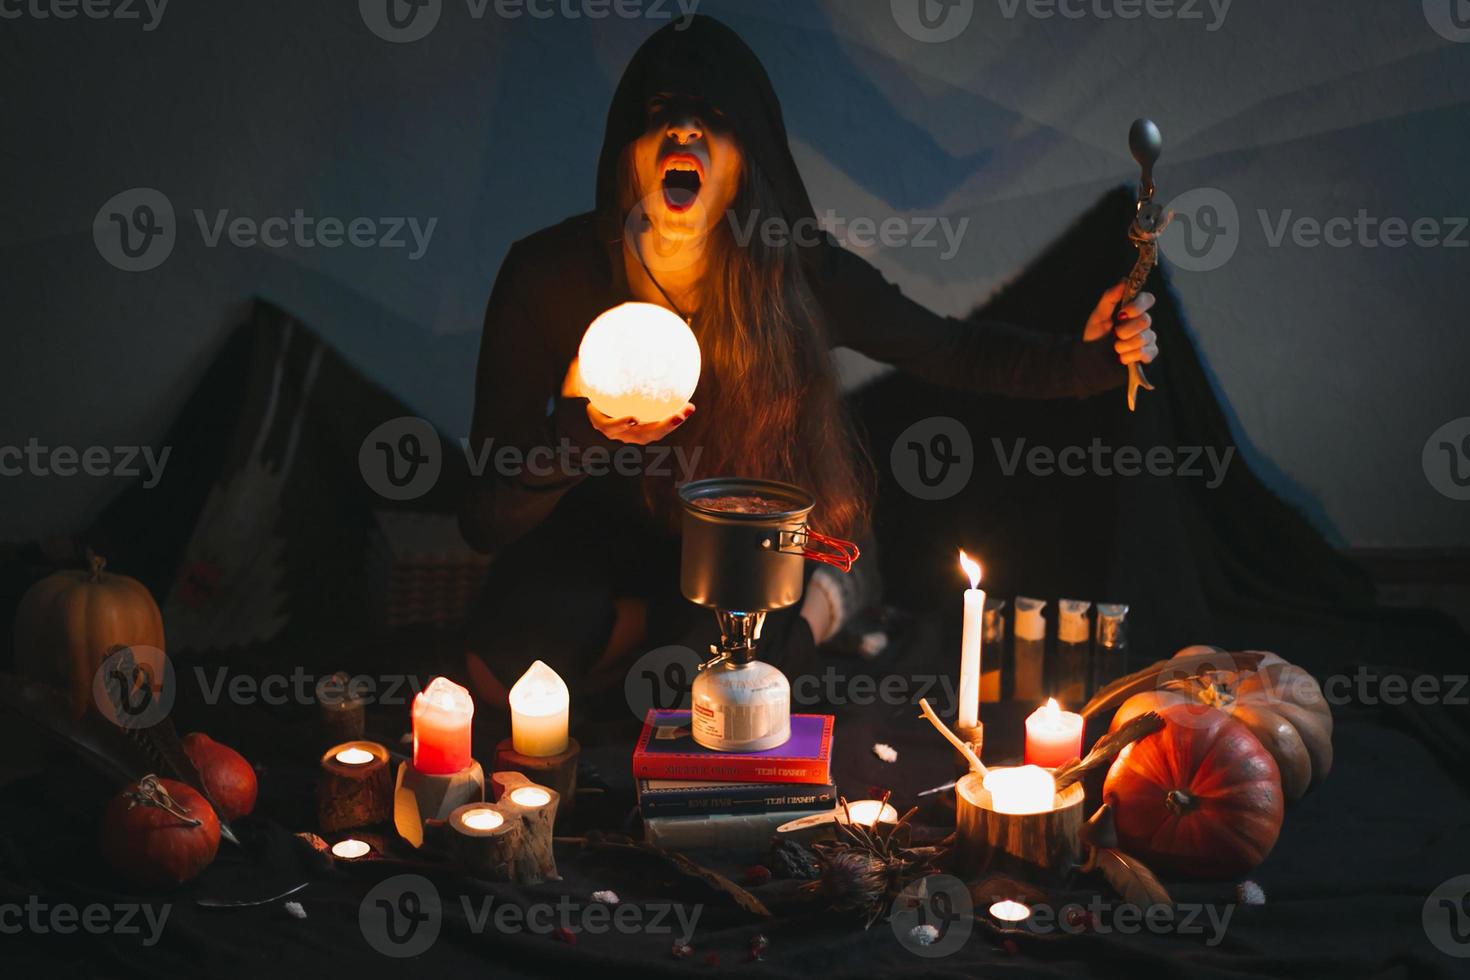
pixel 1021 790
pixel 538 712
pixel 974 628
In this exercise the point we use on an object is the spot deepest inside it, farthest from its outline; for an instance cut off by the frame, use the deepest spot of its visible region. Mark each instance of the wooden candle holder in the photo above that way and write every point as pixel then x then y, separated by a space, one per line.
pixel 488 852
pixel 975 739
pixel 419 798
pixel 558 772
pixel 1027 845
pixel 535 861
pixel 352 795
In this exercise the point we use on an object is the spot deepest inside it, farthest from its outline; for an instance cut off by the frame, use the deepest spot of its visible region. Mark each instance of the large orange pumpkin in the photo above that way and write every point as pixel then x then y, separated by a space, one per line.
pixel 67 622
pixel 1279 702
pixel 1201 797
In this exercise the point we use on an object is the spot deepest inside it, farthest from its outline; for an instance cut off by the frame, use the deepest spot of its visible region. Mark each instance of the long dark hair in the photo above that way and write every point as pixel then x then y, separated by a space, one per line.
pixel 768 400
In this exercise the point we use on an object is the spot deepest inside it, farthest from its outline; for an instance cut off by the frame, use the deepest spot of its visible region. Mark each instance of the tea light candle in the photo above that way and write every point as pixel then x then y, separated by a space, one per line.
pixel 354 787
pixel 1009 911
pixel 1021 790
pixel 974 625
pixel 354 756
pixel 442 715
pixel 538 712
pixel 1053 736
pixel 530 796
pixel 482 818
pixel 350 849
pixel 867 813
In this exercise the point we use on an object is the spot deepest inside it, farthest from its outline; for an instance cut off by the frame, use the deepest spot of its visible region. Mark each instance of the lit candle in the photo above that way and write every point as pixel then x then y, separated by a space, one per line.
pixel 868 813
pixel 1053 736
pixel 350 849
pixel 969 709
pixel 538 712
pixel 355 756
pixel 1009 911
pixel 442 714
pixel 483 819
pixel 530 796
pixel 1021 790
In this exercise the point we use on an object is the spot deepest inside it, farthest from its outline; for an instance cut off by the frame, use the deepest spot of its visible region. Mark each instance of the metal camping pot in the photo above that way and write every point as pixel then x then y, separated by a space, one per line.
pixel 751 561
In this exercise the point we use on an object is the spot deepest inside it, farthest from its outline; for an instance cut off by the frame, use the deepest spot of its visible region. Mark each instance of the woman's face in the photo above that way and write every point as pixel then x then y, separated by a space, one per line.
pixel 687 167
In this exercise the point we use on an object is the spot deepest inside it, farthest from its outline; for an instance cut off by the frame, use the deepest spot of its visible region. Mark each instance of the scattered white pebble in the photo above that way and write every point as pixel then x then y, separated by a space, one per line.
pixel 1250 893
pixel 885 752
pixel 924 935
pixel 294 910
pixel 873 643
pixel 605 897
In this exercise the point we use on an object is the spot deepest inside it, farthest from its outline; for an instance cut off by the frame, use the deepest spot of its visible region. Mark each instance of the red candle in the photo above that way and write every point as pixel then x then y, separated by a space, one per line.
pixel 1053 736
pixel 441 728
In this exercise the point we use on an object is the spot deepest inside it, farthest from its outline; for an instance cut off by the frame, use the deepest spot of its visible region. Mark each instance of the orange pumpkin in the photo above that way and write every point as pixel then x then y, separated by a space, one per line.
pixel 67 622
pixel 1281 704
pixel 1201 797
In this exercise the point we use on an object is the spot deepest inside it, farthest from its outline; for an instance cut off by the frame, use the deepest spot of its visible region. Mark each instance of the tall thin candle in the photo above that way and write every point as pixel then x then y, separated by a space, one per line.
pixel 974 627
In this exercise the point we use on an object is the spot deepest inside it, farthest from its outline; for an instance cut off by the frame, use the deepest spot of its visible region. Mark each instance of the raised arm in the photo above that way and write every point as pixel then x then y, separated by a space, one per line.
pixel 867 313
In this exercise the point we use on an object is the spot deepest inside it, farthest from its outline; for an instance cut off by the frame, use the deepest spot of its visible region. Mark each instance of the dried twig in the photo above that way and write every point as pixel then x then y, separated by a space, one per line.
pixel 975 764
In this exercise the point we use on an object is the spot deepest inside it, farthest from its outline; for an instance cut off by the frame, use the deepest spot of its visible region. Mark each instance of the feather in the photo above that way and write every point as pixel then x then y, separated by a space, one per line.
pixel 598 842
pixel 1105 749
pixel 159 743
pixel 90 738
pixel 1133 882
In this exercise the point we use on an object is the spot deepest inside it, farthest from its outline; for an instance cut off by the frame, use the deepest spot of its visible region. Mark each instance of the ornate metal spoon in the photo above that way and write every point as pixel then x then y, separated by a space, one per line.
pixel 1146 144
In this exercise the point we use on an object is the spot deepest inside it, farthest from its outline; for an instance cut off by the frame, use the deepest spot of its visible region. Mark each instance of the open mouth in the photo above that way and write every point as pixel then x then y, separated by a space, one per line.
pixel 683 176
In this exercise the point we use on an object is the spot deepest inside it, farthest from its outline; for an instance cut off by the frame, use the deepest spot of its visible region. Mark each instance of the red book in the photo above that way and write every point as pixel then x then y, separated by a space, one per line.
pixel 667 750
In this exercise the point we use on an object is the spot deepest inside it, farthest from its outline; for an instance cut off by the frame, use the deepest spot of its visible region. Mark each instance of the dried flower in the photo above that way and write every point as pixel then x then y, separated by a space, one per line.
pixel 885 752
pixel 564 935
pixel 1250 893
pixel 606 897
pixel 758 946
pixel 295 910
pixel 681 951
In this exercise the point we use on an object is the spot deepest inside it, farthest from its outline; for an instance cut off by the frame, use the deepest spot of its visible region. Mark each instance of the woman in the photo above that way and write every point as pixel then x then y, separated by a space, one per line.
pixel 694 165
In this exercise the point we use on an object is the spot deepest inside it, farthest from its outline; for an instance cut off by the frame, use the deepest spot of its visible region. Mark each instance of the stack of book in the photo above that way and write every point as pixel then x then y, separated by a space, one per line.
pixel 691 796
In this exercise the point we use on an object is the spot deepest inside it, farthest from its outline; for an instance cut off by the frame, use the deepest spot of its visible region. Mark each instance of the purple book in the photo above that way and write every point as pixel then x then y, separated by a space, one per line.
pixel 667 750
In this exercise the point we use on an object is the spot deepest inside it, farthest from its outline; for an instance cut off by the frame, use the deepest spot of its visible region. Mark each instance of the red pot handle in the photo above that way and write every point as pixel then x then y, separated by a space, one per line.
pixel 842 553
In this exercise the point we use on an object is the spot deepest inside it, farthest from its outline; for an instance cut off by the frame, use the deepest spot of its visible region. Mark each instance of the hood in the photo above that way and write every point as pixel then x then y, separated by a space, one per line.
pixel 702 58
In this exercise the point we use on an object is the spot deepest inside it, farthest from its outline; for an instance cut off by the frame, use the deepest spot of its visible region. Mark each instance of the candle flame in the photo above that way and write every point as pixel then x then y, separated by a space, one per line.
pixel 971 567
pixel 1052 712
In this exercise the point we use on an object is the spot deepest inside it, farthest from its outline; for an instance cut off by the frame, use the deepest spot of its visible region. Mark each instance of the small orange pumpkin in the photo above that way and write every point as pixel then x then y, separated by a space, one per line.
pixel 67 622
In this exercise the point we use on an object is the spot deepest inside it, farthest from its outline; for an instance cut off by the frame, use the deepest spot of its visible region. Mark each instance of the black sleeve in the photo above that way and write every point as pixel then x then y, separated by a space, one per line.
pixel 518 405
pixel 867 313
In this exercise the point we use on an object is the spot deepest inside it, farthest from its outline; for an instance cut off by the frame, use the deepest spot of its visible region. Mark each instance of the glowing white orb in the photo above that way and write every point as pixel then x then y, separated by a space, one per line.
pixel 638 360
